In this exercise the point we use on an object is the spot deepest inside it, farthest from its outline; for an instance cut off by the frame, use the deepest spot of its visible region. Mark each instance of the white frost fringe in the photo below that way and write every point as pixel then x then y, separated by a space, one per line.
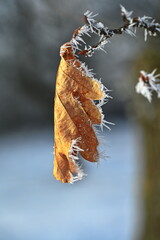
pixel 74 149
pixel 102 144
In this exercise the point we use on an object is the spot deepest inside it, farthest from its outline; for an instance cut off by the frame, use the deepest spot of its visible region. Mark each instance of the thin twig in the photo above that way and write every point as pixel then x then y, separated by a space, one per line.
pixel 105 33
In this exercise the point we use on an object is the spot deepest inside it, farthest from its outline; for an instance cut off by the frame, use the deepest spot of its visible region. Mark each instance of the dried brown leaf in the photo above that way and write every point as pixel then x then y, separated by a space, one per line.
pixel 74 115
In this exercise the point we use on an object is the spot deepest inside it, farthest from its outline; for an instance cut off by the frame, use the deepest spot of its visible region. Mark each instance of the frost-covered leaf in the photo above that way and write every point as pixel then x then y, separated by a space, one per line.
pixel 75 114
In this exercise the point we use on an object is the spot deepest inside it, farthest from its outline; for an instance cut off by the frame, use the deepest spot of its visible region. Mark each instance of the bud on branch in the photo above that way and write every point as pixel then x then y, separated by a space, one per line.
pixel 148 82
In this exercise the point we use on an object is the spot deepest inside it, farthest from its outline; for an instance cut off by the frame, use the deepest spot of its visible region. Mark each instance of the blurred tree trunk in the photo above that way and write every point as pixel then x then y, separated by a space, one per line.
pixel 151 130
pixel 149 116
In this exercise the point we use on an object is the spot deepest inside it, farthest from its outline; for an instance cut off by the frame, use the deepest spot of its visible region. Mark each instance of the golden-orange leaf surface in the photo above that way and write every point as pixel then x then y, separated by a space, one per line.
pixel 74 116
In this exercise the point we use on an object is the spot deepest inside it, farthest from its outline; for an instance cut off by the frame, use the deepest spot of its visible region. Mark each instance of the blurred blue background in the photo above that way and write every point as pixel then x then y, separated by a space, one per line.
pixel 104 205
pixel 108 202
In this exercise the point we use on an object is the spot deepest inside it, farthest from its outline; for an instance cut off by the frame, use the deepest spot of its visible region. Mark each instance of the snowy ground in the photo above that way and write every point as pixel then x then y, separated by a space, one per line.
pixel 33 205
